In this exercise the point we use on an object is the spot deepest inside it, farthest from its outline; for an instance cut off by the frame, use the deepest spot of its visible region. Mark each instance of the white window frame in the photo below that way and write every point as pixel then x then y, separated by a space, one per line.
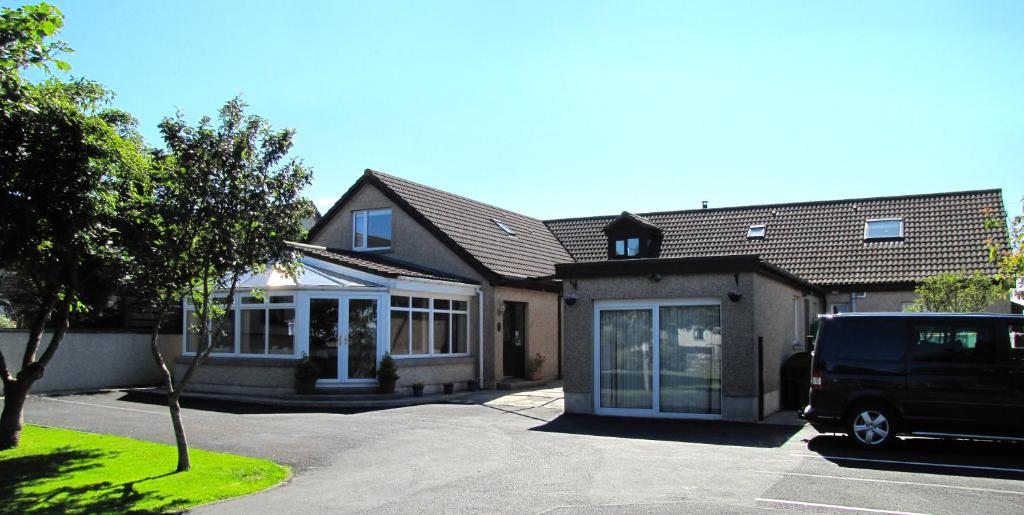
pixel 757 232
pixel 343 299
pixel 237 309
pixel 430 311
pixel 867 227
pixel 366 225
pixel 653 305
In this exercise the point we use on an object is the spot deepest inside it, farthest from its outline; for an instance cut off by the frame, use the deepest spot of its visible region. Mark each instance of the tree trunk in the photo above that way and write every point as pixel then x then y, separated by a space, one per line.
pixel 184 464
pixel 12 419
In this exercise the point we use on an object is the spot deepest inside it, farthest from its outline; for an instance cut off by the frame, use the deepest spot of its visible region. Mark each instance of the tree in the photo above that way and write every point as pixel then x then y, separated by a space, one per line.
pixel 67 163
pixel 225 201
pixel 1010 259
pixel 957 293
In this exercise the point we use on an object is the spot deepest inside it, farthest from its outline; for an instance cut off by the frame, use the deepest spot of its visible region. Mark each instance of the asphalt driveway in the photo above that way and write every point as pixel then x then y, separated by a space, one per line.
pixel 520 454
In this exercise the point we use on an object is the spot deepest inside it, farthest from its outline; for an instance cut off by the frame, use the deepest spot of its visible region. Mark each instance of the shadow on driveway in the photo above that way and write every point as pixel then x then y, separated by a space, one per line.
pixel 967 458
pixel 688 431
pixel 231 407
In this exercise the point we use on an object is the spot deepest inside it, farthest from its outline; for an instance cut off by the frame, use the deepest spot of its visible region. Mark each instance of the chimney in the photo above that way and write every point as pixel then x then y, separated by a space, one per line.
pixel 703 204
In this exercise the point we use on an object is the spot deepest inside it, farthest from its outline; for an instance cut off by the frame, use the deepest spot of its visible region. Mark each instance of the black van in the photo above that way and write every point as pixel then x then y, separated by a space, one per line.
pixel 876 375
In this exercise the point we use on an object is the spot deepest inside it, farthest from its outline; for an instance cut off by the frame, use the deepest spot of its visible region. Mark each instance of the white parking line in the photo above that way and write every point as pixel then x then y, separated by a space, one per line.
pixel 888 481
pixel 105 406
pixel 835 506
pixel 915 463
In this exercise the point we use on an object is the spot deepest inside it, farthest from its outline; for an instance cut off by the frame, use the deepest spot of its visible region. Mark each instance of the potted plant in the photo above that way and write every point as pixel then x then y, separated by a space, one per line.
pixel 448 388
pixel 533 367
pixel 387 374
pixel 417 389
pixel 307 372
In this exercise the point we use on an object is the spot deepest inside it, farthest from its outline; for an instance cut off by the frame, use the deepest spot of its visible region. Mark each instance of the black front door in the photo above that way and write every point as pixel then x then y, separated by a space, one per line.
pixel 514 339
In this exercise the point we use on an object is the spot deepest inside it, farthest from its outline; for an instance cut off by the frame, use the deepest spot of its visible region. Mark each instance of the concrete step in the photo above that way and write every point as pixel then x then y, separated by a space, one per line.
pixel 517 384
pixel 327 395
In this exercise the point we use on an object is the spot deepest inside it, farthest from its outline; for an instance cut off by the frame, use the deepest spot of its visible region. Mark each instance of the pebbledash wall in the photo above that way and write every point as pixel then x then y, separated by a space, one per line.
pixel 93 360
pixel 768 308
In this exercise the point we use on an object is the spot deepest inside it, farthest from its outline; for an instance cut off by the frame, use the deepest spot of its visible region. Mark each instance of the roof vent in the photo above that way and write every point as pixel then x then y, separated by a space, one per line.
pixel 504 227
pixel 703 204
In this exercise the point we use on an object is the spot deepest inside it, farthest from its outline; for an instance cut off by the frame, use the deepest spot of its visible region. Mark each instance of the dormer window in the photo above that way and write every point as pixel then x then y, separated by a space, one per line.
pixel 504 227
pixel 629 247
pixel 756 232
pixel 883 229
pixel 371 229
pixel 631 236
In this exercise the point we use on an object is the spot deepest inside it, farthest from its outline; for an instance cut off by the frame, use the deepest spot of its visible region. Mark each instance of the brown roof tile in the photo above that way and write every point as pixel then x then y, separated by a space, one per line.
pixel 823 242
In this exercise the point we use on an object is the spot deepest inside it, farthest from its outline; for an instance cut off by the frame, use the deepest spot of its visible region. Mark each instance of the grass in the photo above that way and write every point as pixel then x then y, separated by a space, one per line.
pixel 63 471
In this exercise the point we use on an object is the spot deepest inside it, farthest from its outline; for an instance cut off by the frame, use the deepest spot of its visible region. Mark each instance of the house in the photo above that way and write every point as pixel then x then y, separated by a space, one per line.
pixel 691 314
pixel 674 314
pixel 454 289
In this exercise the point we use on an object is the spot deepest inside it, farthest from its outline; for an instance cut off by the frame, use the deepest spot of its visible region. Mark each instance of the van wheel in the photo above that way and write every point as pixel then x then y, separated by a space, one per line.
pixel 871 426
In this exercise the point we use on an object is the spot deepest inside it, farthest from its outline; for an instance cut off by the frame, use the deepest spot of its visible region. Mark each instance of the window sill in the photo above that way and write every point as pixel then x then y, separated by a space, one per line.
pixel 237 360
pixel 428 359
pixel 379 250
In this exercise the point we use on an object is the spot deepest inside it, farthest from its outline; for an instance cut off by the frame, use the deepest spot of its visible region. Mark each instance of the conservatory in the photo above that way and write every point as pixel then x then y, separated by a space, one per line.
pixel 345 311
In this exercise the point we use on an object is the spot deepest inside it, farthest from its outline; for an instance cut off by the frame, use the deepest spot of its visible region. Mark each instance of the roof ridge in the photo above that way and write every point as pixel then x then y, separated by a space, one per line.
pixel 370 171
pixel 784 204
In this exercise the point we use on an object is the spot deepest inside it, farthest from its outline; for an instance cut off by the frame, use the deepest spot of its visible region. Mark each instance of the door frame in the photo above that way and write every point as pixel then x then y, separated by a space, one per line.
pixel 651 305
pixel 343 330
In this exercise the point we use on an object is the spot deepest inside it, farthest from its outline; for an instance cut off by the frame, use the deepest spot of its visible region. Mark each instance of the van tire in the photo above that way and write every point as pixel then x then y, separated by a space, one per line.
pixel 871 426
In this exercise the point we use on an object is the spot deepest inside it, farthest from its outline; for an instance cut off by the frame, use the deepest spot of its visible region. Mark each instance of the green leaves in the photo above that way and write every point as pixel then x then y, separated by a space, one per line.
pixel 958 293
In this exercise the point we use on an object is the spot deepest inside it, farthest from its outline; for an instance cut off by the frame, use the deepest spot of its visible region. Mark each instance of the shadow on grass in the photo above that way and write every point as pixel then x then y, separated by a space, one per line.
pixel 688 431
pixel 23 487
pixel 965 458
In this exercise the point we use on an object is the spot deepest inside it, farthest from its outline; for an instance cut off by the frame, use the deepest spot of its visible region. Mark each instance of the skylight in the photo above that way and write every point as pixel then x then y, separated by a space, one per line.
pixel 883 229
pixel 756 232
pixel 504 227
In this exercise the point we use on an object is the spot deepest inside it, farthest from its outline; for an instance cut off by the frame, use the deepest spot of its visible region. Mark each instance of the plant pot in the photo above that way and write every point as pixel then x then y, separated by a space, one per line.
pixel 305 387
pixel 449 388
pixel 533 376
pixel 417 390
pixel 387 386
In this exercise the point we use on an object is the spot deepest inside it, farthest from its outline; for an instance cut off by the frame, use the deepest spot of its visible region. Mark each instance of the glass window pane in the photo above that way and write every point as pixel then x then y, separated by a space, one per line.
pixel 884 229
pixel 442 304
pixel 282 331
pixel 691 359
pixel 420 333
pixel 626 358
pixel 281 299
pixel 252 333
pixel 399 333
pixel 460 339
pixel 459 305
pixel 379 229
pixel 323 336
pixel 222 337
pixel 362 339
pixel 620 247
pixel 633 247
pixel 192 338
pixel 399 301
pixel 419 302
pixel 441 336
pixel 249 299
pixel 359 230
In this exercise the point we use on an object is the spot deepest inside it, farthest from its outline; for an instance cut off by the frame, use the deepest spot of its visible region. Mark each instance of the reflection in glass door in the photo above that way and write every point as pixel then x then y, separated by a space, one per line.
pixel 690 359
pixel 323 336
pixel 362 339
pixel 626 359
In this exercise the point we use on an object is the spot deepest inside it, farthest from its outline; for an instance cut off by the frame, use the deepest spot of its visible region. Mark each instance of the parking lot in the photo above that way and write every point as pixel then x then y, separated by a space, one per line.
pixel 520 454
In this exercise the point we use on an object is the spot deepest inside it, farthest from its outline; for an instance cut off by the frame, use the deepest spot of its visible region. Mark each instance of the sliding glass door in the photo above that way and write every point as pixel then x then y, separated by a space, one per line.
pixel 343 336
pixel 658 357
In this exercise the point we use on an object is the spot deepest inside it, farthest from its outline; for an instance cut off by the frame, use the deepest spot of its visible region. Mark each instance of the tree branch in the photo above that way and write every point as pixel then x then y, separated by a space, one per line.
pixel 35 334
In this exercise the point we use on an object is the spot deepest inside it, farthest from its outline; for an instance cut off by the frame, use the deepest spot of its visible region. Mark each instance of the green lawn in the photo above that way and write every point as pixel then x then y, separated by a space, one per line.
pixel 63 471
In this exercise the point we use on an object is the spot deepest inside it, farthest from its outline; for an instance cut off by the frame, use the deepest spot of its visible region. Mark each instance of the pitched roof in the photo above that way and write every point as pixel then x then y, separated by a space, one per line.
pixel 468 227
pixel 823 242
pixel 376 264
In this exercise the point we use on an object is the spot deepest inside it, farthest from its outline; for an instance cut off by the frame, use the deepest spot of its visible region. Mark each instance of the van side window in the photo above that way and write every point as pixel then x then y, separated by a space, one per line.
pixel 1017 342
pixel 870 340
pixel 952 344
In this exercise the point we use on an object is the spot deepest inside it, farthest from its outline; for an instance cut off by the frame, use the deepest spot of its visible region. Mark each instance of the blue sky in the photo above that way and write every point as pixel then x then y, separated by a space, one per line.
pixel 557 109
